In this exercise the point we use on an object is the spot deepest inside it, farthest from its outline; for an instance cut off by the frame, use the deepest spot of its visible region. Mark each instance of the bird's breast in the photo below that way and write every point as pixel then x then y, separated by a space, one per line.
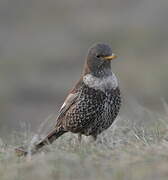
pixel 103 84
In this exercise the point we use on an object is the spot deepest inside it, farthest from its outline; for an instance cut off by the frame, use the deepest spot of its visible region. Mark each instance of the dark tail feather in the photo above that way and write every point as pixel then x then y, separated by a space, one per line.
pixel 52 136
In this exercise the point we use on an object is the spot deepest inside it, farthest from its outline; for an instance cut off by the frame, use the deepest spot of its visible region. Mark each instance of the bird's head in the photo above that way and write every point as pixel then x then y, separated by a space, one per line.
pixel 99 58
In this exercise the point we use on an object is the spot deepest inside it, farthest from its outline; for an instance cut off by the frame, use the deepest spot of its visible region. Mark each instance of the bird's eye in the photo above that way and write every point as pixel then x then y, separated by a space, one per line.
pixel 98 56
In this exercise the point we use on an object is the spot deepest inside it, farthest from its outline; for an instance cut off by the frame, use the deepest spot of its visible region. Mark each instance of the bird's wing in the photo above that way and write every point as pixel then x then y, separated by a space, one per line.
pixel 71 99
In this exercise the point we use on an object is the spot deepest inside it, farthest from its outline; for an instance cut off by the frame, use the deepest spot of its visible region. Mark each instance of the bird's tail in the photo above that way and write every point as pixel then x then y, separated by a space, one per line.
pixel 52 136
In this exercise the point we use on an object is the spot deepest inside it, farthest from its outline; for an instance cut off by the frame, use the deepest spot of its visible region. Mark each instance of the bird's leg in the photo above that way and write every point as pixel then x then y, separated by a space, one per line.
pixel 94 137
pixel 79 138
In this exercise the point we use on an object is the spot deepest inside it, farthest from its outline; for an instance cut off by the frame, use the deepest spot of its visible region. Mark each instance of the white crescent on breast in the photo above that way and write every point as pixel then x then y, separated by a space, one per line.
pixel 109 82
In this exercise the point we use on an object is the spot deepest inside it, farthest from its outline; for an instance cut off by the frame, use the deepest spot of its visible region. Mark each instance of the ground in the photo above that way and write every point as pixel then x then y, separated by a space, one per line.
pixel 127 151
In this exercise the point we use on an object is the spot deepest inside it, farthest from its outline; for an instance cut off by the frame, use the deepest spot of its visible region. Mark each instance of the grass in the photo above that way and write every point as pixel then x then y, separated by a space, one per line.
pixel 127 151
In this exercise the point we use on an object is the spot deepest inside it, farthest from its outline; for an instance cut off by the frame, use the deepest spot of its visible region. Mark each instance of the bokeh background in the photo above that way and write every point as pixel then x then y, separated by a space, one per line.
pixel 43 45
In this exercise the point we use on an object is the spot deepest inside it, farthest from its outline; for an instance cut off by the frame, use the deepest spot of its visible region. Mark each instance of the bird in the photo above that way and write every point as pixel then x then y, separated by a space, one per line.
pixel 93 104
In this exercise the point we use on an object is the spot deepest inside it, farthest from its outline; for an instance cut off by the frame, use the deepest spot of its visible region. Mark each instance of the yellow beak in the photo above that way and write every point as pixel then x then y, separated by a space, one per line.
pixel 109 58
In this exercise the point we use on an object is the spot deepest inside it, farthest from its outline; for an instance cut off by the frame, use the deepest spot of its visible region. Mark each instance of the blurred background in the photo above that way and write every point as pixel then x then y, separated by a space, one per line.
pixel 43 45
